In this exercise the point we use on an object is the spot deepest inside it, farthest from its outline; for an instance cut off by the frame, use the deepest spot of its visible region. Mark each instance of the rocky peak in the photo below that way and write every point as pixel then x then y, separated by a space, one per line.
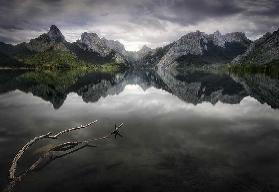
pixel 268 35
pixel 55 34
pixel 198 44
pixel 218 39
pixel 237 37
pixel 196 34
pixel 193 37
pixel 90 35
pixel 102 46
pixel 144 50
pixel 221 40
pixel 89 38
pixel 115 45
pixel 93 42
pixel 140 54
pixel 53 39
pixel 262 51
pixel 193 43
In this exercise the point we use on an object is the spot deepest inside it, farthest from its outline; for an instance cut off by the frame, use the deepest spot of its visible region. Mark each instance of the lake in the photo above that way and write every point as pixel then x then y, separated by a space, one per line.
pixel 186 131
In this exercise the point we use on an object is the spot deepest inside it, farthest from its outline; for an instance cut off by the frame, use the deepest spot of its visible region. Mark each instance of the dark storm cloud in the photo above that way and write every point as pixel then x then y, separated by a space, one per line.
pixel 262 7
pixel 10 27
pixel 136 22
pixel 193 11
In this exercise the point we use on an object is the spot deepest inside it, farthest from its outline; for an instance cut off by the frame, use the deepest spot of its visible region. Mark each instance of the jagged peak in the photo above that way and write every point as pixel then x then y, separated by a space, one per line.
pixel 217 38
pixel 266 36
pixel 216 33
pixel 55 34
pixel 110 41
pixel 54 28
pixel 236 33
pixel 239 35
pixel 197 33
pixel 87 34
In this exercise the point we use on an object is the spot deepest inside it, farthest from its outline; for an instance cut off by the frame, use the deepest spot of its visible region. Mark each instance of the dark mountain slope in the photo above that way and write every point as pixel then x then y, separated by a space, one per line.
pixel 263 51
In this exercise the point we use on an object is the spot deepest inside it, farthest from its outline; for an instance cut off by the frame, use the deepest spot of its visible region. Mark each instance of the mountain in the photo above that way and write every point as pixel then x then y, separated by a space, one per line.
pixel 152 57
pixel 6 56
pixel 262 51
pixel 51 50
pixel 196 48
pixel 53 39
pixel 199 48
pixel 138 57
pixel 144 51
pixel 102 46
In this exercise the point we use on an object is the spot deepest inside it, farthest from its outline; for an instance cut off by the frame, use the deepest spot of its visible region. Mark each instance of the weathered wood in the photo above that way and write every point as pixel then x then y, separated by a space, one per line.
pixel 13 167
pixel 12 171
pixel 72 129
pixel 53 153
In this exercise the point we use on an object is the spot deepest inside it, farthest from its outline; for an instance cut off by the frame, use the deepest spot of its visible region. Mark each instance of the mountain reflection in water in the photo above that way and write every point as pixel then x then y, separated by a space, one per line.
pixel 190 131
pixel 191 86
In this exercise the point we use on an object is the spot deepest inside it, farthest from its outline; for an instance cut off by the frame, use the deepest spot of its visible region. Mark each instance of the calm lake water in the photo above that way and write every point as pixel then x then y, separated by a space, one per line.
pixel 192 131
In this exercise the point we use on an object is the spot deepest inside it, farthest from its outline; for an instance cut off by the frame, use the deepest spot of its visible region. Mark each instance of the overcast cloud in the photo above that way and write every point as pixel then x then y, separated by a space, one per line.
pixel 136 22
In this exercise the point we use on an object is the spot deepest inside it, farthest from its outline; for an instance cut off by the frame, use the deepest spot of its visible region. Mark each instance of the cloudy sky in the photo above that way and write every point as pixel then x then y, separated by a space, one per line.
pixel 136 22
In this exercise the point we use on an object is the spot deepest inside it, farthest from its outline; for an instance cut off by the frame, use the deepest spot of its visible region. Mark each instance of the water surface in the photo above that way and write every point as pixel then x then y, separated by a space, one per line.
pixel 193 131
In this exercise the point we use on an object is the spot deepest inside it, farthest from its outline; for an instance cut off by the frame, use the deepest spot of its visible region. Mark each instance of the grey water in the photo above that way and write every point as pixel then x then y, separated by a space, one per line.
pixel 187 131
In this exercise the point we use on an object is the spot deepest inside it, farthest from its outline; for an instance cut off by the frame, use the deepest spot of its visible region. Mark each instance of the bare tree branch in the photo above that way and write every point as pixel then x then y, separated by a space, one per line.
pixel 71 129
pixel 52 153
pixel 13 167
pixel 20 153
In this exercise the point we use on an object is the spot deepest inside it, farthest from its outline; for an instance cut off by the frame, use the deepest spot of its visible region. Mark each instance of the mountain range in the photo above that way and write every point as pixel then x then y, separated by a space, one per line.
pixel 51 50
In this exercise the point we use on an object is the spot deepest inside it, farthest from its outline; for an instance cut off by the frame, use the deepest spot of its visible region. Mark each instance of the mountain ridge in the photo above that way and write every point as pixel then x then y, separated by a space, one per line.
pixel 52 50
pixel 262 51
pixel 194 48
pixel 200 47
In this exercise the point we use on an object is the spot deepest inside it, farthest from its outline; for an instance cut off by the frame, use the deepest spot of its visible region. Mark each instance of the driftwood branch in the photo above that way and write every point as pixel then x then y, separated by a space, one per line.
pixel 71 129
pixel 12 170
pixel 52 153
pixel 20 153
